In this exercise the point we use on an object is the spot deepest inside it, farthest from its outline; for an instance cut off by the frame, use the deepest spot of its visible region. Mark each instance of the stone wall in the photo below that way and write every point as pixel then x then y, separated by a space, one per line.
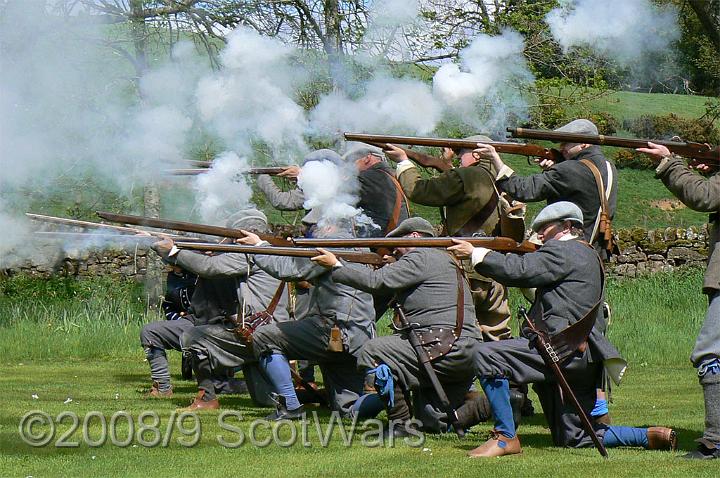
pixel 127 261
pixel 641 252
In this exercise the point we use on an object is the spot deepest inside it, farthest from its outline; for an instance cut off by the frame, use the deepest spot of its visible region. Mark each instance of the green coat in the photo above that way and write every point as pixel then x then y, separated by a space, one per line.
pixel 703 195
pixel 461 191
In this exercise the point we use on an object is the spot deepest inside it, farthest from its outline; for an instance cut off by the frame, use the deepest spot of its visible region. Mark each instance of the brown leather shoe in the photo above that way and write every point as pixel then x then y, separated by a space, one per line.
pixel 199 404
pixel 497 445
pixel 662 438
pixel 156 393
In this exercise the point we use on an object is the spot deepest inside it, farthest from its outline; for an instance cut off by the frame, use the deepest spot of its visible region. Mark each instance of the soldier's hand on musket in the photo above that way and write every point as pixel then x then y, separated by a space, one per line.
pixel 394 153
pixel 461 249
pixel 655 151
pixel 164 246
pixel 291 172
pixel 544 163
pixel 485 150
pixel 250 238
pixel 325 258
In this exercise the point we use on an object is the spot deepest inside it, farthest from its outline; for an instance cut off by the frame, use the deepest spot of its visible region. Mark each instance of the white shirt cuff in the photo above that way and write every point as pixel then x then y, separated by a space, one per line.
pixel 403 166
pixel 505 172
pixel 173 251
pixel 478 255
pixel 337 265
pixel 262 243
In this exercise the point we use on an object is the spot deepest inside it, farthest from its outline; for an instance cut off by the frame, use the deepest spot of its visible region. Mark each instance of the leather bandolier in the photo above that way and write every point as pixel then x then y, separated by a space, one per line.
pixel 438 341
pixel 574 337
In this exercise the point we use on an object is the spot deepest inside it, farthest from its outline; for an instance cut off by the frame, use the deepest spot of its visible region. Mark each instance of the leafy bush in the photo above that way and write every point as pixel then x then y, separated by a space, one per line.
pixel 665 127
pixel 630 159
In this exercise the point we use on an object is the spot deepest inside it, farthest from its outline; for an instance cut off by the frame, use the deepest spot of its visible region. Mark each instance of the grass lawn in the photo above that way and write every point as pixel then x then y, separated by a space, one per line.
pixel 92 356
pixel 650 395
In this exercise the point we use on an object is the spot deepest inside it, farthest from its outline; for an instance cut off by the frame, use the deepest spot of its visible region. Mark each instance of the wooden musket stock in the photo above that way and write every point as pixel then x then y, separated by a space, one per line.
pixel 350 256
pixel 499 244
pixel 698 151
pixel 457 144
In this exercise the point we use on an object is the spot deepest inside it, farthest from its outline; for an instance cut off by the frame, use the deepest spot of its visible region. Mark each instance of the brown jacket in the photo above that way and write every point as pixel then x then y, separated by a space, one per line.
pixel 703 195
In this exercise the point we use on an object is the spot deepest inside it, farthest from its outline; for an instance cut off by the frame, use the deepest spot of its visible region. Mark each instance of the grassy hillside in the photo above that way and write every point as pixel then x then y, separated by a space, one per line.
pixel 627 105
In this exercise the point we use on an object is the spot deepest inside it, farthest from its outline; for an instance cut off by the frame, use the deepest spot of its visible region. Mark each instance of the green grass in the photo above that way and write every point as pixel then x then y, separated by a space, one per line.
pixel 650 395
pixel 95 359
pixel 628 105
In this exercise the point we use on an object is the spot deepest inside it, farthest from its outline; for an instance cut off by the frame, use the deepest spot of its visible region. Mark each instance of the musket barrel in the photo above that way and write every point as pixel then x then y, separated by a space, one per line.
pixel 688 149
pixel 272 171
pixel 350 256
pixel 500 244
pixel 185 227
pixel 456 144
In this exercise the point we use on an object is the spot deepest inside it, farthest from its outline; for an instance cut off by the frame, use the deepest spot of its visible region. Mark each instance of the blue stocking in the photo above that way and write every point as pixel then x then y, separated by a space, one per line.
pixel 277 369
pixel 625 436
pixel 368 406
pixel 497 391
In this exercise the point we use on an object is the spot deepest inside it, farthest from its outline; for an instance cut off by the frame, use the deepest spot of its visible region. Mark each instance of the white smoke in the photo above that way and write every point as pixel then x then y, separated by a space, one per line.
pixel 620 29
pixel 485 86
pixel 332 192
pixel 249 98
pixel 224 189
pixel 388 104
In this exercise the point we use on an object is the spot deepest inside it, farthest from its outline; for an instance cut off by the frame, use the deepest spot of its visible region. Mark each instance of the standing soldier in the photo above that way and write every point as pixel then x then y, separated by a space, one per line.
pixel 701 194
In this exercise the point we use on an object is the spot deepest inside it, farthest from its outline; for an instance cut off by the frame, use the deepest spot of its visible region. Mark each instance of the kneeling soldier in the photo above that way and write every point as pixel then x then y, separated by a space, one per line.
pixel 429 286
pixel 339 320
pixel 215 347
pixel 568 275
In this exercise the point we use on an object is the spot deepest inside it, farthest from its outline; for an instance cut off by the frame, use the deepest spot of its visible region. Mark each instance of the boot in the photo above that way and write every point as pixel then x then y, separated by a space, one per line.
pixel 398 430
pixel 661 438
pixel 281 412
pixel 497 445
pixel 155 391
pixel 199 404
pixel 476 409
pixel 706 450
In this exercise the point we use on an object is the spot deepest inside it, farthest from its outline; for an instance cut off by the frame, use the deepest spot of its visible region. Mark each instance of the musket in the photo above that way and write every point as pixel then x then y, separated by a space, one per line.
pixel 522 149
pixel 186 227
pixel 350 256
pixel 105 238
pixel 270 170
pixel 128 231
pixel 405 326
pixel 700 152
pixel 199 164
pixel 499 244
pixel 551 359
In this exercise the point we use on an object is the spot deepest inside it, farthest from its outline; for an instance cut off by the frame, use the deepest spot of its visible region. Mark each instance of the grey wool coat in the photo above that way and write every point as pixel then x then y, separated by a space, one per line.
pixel 255 287
pixel 699 194
pixel 291 200
pixel 568 180
pixel 567 275
pixel 350 309
pixel 425 281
